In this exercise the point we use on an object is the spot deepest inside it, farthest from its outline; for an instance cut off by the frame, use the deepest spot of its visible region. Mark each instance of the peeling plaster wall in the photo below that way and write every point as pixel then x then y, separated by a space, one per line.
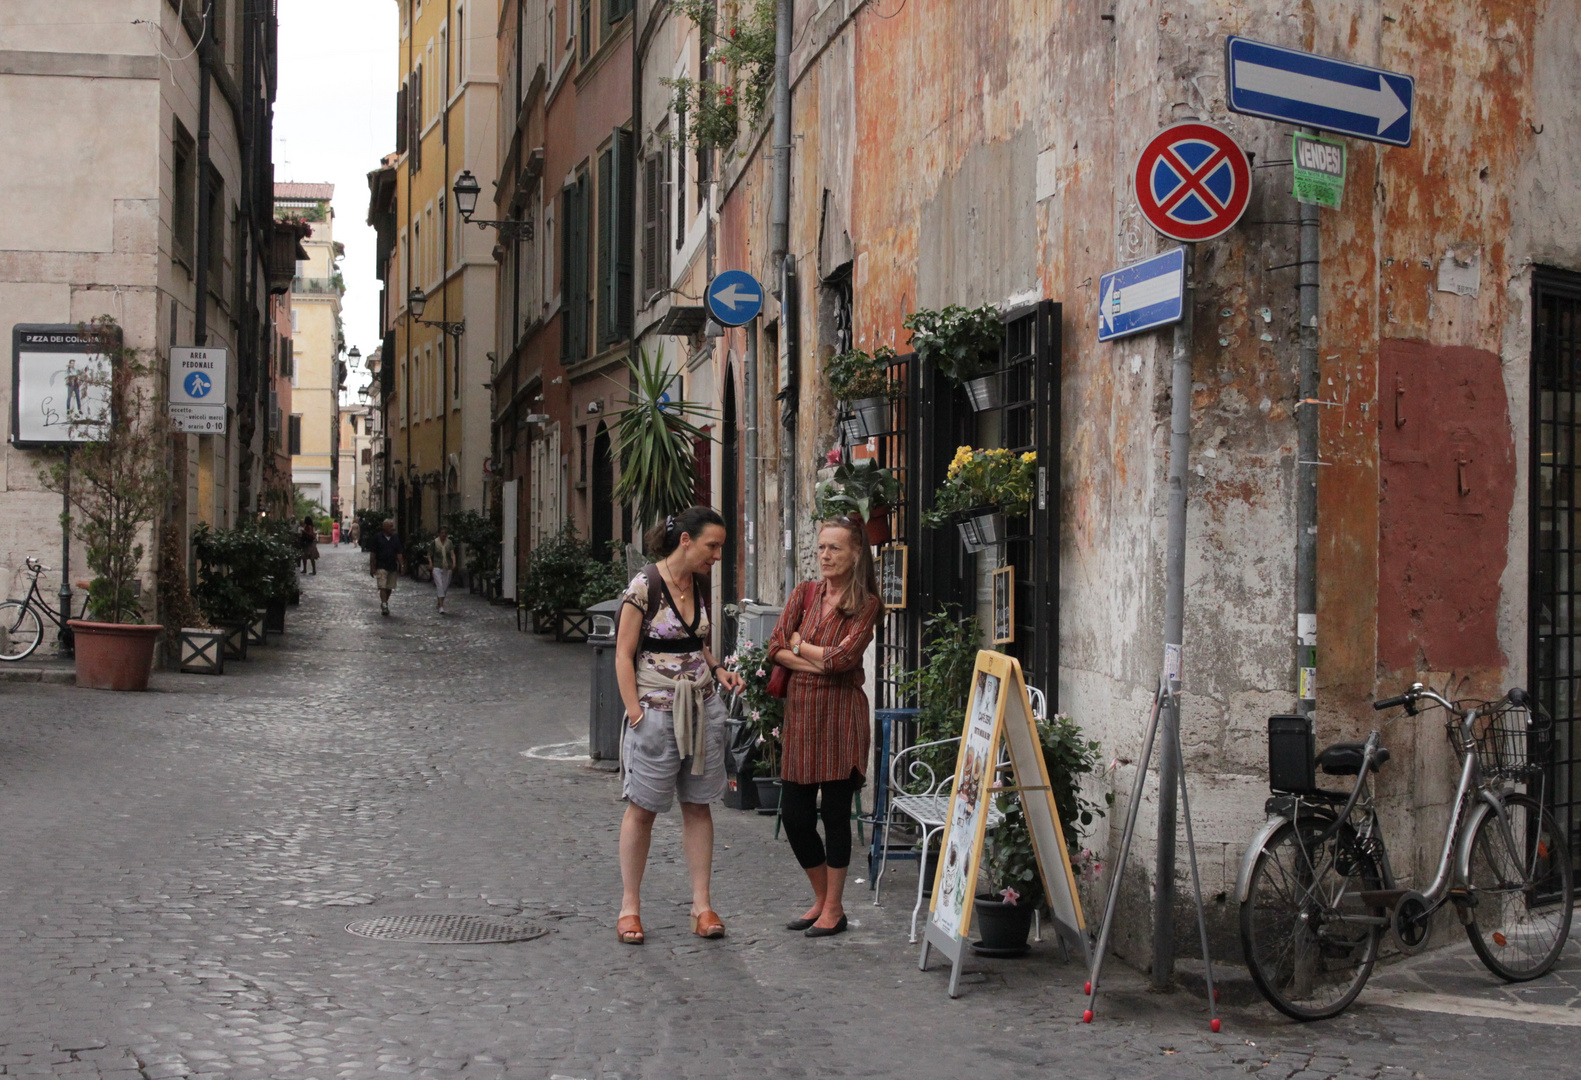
pixel 993 146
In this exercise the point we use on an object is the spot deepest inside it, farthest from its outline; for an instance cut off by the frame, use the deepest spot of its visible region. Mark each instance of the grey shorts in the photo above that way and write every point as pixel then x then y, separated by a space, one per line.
pixel 655 773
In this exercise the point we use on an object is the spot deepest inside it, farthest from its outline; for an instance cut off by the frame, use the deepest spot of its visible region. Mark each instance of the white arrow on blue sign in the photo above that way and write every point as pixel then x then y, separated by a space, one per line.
pixel 734 297
pixel 1142 296
pixel 1319 91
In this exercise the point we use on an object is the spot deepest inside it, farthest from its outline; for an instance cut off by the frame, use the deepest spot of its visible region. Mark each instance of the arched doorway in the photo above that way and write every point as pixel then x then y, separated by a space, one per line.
pixel 601 512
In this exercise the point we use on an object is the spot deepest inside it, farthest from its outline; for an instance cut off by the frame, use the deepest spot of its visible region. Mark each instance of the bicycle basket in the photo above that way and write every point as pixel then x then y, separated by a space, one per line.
pixel 1513 743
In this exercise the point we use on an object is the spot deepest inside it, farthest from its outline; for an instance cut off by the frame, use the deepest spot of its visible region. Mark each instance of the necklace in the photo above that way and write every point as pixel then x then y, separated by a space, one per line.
pixel 674 581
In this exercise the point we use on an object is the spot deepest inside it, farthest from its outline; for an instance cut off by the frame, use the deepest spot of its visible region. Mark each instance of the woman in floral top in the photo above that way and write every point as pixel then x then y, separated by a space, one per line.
pixel 674 743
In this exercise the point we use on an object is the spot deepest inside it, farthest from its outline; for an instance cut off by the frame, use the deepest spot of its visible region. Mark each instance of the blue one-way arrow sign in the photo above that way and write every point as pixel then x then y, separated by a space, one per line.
pixel 1142 296
pixel 734 297
pixel 1319 91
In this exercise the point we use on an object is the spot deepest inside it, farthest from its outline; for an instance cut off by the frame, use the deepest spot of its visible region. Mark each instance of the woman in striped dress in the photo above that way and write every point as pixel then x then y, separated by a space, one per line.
pixel 820 637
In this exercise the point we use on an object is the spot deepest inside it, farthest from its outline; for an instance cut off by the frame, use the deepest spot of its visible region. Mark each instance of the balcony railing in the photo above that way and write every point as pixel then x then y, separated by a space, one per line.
pixel 331 285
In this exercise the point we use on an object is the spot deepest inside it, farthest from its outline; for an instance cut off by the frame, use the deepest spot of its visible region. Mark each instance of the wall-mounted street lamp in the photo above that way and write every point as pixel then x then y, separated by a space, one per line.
pixel 466 189
pixel 417 300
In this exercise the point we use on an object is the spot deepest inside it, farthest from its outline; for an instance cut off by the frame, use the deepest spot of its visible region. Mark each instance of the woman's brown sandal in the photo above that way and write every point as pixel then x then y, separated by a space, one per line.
pixel 705 924
pixel 629 929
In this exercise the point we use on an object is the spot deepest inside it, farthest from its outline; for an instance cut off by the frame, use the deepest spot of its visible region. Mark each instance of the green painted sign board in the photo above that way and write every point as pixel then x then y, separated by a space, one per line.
pixel 1320 170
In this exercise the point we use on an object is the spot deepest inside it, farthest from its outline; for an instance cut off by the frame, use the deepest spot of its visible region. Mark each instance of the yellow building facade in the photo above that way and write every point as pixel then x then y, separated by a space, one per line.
pixel 447 119
pixel 313 427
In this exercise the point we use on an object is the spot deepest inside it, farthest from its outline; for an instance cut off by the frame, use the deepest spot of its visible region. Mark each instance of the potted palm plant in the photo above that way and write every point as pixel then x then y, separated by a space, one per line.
pixel 658 467
pixel 861 489
pixel 963 344
pixel 115 487
pixel 981 489
pixel 861 383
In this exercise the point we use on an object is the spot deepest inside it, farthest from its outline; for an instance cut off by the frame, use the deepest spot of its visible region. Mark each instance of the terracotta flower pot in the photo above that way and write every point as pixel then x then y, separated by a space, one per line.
pixel 114 656
pixel 877 527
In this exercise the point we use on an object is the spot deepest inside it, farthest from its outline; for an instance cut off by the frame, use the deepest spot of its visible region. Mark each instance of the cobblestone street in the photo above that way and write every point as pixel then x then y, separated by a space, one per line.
pixel 179 867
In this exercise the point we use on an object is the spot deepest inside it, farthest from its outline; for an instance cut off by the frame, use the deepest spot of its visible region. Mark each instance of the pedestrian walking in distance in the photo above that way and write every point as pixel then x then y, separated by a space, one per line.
pixel 307 540
pixel 821 636
pixel 386 562
pixel 442 558
pixel 674 741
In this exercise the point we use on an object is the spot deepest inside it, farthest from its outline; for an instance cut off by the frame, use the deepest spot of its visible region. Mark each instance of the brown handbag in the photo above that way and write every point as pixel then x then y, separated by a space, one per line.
pixel 779 675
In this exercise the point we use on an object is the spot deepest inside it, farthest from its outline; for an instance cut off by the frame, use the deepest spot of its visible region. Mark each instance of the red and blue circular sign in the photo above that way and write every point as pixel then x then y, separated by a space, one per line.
pixel 1192 182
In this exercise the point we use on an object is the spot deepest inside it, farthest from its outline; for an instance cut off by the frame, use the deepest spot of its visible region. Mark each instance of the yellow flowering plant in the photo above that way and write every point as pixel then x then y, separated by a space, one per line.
pixel 978 479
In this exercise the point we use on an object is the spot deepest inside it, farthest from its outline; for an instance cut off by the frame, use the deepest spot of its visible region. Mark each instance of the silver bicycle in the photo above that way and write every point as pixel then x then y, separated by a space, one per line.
pixel 1317 893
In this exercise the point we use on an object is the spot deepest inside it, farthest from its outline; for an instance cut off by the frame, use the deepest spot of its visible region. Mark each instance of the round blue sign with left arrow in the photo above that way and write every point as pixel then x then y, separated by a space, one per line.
pixel 198 384
pixel 734 297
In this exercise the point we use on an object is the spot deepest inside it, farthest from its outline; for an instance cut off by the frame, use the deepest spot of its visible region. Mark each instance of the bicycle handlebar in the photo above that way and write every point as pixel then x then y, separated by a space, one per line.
pixel 1515 696
pixel 36 566
pixel 1391 702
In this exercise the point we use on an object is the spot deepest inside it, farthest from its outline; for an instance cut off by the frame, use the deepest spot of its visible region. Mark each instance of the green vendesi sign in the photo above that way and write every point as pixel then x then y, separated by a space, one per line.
pixel 1320 170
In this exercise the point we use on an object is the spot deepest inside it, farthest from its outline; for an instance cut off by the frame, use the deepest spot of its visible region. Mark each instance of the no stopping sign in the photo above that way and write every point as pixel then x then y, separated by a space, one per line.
pixel 1192 182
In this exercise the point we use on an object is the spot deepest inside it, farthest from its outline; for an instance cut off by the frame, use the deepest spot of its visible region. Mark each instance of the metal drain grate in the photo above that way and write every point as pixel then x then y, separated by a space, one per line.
pixel 453 929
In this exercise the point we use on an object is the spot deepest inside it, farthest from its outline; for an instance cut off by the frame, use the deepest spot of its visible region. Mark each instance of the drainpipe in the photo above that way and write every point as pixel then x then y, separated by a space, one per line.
pixel 1306 468
pixel 790 347
pixel 784 277
pixel 749 494
pixel 200 312
pixel 779 214
pixel 447 340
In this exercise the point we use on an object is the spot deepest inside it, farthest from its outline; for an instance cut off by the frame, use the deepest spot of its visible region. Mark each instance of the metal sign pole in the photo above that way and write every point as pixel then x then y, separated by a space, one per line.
pixel 1307 466
pixel 1174 633
pixel 65 550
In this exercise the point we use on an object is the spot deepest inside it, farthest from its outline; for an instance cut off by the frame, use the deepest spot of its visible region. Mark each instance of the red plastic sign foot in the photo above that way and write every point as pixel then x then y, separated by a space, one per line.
pixel 1086 1017
pixel 1214 1024
pixel 1087 989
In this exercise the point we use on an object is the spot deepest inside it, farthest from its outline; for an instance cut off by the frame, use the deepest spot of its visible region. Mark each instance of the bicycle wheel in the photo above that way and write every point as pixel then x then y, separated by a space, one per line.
pixel 1520 915
pixel 1310 942
pixel 20 630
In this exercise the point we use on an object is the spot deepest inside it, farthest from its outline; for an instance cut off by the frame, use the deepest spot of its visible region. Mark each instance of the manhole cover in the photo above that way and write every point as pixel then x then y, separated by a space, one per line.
pixel 460 929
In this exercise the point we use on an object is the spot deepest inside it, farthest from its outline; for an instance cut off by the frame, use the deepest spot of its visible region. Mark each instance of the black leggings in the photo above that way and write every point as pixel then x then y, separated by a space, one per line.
pixel 799 812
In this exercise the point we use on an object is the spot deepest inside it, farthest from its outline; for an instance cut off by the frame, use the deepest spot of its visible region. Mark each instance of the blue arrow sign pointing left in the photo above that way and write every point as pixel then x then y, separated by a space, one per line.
pixel 1319 91
pixel 1141 296
pixel 734 297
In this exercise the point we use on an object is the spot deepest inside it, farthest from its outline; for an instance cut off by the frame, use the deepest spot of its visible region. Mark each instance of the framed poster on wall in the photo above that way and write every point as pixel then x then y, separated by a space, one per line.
pixel 60 386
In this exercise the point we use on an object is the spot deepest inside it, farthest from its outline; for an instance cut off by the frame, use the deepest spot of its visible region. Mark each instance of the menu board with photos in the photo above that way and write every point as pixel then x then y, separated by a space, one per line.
pixel 1000 709
pixel 892 568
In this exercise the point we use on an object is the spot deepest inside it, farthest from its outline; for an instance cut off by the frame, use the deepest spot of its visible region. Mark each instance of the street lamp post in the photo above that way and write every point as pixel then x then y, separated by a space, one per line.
pixel 466 189
pixel 417 302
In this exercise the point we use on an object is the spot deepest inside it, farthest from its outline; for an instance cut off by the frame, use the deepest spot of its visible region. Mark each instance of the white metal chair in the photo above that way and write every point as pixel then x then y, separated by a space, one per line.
pixel 924 798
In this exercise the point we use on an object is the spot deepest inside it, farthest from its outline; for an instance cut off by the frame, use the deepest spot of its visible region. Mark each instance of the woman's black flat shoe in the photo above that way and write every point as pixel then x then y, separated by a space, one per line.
pixel 799 925
pixel 827 931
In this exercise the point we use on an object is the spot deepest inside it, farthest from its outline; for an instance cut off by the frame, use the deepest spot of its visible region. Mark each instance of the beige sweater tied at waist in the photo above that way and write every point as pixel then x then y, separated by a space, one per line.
pixel 691 727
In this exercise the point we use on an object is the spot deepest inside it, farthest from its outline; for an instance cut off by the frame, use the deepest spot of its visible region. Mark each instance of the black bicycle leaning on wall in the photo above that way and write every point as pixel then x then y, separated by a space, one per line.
pixel 21 629
pixel 1316 890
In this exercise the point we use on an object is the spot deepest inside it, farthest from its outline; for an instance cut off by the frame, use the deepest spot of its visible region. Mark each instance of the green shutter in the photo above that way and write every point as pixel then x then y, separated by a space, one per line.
pixel 625 226
pixel 567 257
pixel 606 257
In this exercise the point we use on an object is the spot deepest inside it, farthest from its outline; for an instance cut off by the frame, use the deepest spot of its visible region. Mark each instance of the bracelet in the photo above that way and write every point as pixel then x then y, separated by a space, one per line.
pixel 714 671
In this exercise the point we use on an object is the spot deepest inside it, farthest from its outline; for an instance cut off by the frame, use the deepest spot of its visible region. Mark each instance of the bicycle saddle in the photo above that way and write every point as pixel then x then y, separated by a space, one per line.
pixel 1344 758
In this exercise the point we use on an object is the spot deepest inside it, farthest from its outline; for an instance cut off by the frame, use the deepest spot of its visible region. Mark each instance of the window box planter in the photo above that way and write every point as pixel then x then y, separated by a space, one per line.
pixel 114 656
pixel 202 652
pixel 257 632
pixel 868 417
pixel 985 391
pixel 572 627
pixel 236 641
pixel 982 528
pixel 544 622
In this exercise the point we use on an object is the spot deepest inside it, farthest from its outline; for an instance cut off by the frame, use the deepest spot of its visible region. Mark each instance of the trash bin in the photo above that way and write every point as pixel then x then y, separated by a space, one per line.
pixel 606 713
